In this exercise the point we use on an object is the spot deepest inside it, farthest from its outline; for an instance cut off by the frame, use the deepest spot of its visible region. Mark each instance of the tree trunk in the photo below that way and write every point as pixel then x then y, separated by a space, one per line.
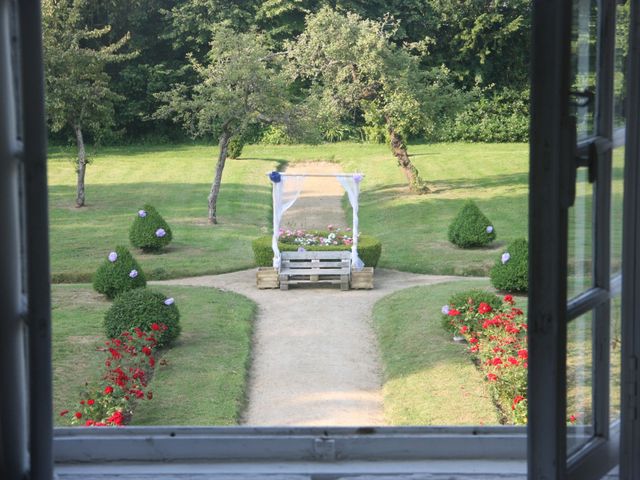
pixel 215 186
pixel 82 166
pixel 399 149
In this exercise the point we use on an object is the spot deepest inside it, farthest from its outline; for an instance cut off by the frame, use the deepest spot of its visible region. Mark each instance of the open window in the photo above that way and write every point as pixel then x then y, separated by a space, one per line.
pixel 584 303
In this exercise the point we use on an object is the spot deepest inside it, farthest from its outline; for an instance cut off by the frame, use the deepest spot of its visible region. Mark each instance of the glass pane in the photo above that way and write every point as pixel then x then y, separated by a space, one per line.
pixel 615 359
pixel 619 84
pixel 617 185
pixel 579 382
pixel 580 234
pixel 584 44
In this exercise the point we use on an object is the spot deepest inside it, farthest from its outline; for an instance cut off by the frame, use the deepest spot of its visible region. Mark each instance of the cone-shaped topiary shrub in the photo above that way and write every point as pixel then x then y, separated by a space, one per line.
pixel 234 149
pixel 119 272
pixel 149 231
pixel 471 228
pixel 511 271
pixel 147 310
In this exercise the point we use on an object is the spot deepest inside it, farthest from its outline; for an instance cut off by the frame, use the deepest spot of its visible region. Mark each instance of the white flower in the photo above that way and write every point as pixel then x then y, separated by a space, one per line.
pixel 142 213
pixel 489 229
pixel 505 257
pixel 160 233
pixel 169 301
pixel 445 309
pixel 113 256
pixel 133 273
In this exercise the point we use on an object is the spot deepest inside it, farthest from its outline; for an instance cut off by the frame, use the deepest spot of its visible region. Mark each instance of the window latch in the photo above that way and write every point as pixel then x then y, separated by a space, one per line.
pixel 324 449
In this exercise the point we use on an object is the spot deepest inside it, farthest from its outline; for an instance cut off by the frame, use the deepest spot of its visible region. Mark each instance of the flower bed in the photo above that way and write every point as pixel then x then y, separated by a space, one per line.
pixel 128 368
pixel 369 248
pixel 333 236
pixel 497 339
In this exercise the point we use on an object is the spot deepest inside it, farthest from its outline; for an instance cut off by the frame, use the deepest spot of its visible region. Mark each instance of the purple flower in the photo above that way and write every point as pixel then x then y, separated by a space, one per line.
pixel 275 177
pixel 113 256
pixel 357 177
pixel 142 213
pixel 300 249
pixel 489 229
pixel 169 301
pixel 160 233
pixel 445 309
pixel 505 257
pixel 133 273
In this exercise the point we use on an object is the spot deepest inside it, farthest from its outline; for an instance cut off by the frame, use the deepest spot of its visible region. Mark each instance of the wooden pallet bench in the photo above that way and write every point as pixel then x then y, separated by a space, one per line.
pixel 315 267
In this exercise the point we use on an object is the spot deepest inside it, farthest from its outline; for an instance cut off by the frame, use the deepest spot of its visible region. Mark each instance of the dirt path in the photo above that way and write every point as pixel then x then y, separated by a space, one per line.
pixel 319 203
pixel 315 358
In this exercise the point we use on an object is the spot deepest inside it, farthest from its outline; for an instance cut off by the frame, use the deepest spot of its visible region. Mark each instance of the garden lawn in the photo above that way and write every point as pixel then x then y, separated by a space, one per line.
pixel 176 179
pixel 428 379
pixel 204 379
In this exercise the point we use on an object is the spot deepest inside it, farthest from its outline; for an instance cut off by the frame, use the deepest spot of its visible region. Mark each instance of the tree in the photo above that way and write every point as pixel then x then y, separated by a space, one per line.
pixel 77 86
pixel 354 66
pixel 240 83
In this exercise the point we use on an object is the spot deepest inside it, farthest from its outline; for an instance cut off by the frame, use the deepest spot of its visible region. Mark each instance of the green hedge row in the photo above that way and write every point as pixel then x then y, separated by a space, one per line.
pixel 369 249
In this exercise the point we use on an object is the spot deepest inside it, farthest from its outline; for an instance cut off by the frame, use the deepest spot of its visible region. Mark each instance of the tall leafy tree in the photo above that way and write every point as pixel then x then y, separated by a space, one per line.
pixel 354 65
pixel 240 83
pixel 78 93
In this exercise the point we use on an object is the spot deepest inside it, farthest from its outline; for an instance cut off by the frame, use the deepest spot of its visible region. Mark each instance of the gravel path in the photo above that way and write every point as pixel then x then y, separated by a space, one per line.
pixel 315 358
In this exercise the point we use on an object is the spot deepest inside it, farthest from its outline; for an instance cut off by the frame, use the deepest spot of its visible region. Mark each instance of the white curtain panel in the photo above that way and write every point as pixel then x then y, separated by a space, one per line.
pixel 351 184
pixel 285 194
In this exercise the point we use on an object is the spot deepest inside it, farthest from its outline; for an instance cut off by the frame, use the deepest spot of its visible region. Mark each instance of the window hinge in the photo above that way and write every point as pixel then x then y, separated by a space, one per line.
pixel 324 449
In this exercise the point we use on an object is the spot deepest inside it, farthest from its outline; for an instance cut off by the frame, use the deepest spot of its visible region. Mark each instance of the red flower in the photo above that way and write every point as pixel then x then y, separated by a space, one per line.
pixel 508 298
pixel 152 362
pixel 492 377
pixel 117 418
pixel 139 393
pixel 512 361
pixel 484 308
pixel 146 350
pixel 108 389
pixel 63 413
pixel 91 401
pixel 155 326
pixel 474 349
pixel 464 329
pixel 496 361
pixel 572 418
pixel 523 354
pixel 114 353
pixel 89 422
pixel 78 415
pixel 81 402
pixel 453 312
pixel 473 340
pixel 516 400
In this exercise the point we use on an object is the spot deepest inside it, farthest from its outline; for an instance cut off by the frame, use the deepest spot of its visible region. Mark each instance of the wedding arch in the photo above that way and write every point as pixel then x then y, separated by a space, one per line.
pixel 287 189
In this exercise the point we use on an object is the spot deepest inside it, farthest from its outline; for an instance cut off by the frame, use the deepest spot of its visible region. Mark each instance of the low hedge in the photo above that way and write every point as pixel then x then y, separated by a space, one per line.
pixel 369 250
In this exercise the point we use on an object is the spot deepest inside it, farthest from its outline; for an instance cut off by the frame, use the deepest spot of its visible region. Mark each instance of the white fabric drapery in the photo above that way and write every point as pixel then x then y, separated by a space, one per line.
pixel 285 194
pixel 351 184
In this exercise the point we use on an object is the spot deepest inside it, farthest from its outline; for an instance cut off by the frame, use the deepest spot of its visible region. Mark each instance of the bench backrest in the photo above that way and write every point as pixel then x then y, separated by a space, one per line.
pixel 340 259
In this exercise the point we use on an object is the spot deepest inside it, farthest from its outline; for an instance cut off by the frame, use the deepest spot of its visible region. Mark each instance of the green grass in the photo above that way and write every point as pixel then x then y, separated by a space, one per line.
pixel 204 379
pixel 176 179
pixel 428 379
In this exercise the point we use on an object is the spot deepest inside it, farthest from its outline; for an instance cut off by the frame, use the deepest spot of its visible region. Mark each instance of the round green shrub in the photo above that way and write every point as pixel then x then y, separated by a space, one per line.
pixel 234 149
pixel 369 250
pixel 119 273
pixel 471 228
pixel 142 308
pixel 149 231
pixel 511 271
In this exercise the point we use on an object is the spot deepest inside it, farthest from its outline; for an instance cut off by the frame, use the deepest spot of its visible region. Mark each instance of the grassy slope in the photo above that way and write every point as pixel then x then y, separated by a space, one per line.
pixel 428 379
pixel 176 180
pixel 204 380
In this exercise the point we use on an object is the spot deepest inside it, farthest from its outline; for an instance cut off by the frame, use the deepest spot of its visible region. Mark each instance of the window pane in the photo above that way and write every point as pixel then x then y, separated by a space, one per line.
pixel 584 45
pixel 622 45
pixel 617 185
pixel 615 359
pixel 579 382
pixel 580 234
